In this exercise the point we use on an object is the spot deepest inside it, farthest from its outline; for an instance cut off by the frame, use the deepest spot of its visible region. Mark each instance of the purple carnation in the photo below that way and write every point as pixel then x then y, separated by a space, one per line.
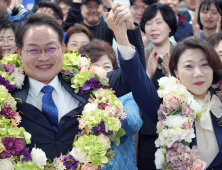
pixel 186 110
pixel 89 86
pixel 8 113
pixel 9 68
pixel 103 106
pixel 101 129
pixel 26 155
pixel 70 162
pixel 7 84
pixel 13 146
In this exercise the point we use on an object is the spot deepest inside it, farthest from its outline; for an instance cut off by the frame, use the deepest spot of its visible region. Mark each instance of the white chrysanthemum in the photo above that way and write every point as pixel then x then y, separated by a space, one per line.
pixel 89 108
pixel 101 73
pixel 160 158
pixel 166 81
pixel 85 61
pixel 18 77
pixel 105 140
pixel 38 157
pixel 6 164
pixel 194 105
pixel 80 156
pixel 173 121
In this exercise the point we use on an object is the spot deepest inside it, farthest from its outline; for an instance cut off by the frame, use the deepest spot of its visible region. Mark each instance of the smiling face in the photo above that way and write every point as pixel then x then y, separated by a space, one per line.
pixel 137 10
pixel 91 12
pixel 174 4
pixel 157 30
pixel 43 68
pixel 7 41
pixel 209 18
pixel 194 72
pixel 77 40
pixel 105 63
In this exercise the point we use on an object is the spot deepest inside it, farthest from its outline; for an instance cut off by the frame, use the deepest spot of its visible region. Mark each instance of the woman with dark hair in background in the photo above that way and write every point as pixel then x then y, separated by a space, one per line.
pixel 7 37
pixel 216 41
pixel 77 36
pixel 102 55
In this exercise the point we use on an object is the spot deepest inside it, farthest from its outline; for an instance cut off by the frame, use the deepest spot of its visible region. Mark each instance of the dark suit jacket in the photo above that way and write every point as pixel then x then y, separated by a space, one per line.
pixel 184 29
pixel 145 95
pixel 43 135
pixel 185 15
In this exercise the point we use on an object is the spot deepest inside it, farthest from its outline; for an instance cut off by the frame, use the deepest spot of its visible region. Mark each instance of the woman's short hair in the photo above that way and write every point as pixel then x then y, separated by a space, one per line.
pixel 214 39
pixel 213 59
pixel 96 49
pixel 205 5
pixel 5 24
pixel 77 28
pixel 166 12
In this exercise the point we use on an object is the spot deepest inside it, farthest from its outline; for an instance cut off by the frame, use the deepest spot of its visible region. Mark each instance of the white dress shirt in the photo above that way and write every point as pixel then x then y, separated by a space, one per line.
pixel 191 15
pixel 62 99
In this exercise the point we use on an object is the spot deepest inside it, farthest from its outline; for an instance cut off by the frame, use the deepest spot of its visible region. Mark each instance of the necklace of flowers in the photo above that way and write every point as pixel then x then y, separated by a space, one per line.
pixel 176 117
pixel 99 123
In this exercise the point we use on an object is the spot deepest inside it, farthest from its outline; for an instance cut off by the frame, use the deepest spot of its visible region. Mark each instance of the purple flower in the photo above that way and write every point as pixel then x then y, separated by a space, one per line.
pixel 8 113
pixel 162 112
pixel 67 73
pixel 13 146
pixel 186 110
pixel 26 155
pixel 103 106
pixel 101 129
pixel 70 162
pixel 7 84
pixel 89 86
pixel 9 68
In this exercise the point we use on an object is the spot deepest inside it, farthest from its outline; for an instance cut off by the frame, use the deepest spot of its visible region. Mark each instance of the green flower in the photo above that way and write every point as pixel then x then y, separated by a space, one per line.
pixel 12 59
pixel 96 150
pixel 111 124
pixel 27 165
pixel 80 79
pixel 71 60
pixel 94 118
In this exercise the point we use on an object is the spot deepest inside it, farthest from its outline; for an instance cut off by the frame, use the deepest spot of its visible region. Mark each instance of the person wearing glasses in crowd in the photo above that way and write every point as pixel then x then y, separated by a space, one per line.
pixel 65 5
pixel 40 49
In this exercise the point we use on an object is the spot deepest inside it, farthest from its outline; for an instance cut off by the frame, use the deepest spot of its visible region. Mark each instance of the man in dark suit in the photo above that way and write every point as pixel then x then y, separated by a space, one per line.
pixel 40 49
pixel 191 6
pixel 184 28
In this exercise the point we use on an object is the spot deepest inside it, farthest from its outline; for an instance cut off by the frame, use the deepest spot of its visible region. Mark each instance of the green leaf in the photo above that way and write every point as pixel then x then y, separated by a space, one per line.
pixel 212 90
pixel 112 137
pixel 110 154
pixel 66 78
pixel 117 141
pixel 121 132
pixel 185 143
pixel 176 111
pixel 2 67
pixel 167 166
pixel 104 82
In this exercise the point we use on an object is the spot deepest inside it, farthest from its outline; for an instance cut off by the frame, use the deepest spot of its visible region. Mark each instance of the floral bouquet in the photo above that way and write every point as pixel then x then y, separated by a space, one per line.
pixel 99 122
pixel 83 75
pixel 176 116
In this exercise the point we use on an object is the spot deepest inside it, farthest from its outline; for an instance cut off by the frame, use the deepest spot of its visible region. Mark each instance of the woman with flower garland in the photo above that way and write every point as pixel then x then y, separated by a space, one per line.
pixel 103 55
pixel 197 66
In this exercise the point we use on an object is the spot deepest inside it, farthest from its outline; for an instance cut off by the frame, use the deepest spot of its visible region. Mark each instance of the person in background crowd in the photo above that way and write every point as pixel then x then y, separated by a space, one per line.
pixel 184 28
pixel 4 4
pixel 65 5
pixel 191 6
pixel 209 19
pixel 158 23
pixel 216 41
pixel 77 36
pixel 7 37
pixel 51 9
pixel 16 7
pixel 102 55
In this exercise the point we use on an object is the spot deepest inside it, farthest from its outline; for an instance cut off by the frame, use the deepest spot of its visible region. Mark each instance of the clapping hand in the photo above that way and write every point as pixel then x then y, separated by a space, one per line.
pixel 152 64
pixel 165 65
pixel 218 30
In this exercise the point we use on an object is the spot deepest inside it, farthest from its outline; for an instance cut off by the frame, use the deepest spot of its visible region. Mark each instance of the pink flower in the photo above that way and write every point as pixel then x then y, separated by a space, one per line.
pixel 172 101
pixel 119 123
pixel 159 125
pixel 87 166
pixel 199 165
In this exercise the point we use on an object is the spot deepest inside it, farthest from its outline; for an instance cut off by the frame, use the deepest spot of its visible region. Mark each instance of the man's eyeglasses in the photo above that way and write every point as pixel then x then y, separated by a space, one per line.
pixel 35 52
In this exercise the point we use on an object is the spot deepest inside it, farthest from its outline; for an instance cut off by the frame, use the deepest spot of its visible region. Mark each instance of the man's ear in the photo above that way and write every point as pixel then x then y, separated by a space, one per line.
pixel 19 52
pixel 63 49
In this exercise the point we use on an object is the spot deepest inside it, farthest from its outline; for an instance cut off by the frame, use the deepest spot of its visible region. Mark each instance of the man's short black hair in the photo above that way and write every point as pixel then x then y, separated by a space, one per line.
pixel 147 2
pixel 67 2
pixel 166 12
pixel 55 7
pixel 5 24
pixel 36 19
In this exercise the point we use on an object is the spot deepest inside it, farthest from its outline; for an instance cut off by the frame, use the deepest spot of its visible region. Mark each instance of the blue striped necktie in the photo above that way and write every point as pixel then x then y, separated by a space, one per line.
pixel 49 108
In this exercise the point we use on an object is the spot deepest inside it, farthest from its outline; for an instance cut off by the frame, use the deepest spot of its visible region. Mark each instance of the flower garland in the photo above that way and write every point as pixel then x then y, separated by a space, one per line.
pixel 99 123
pixel 176 116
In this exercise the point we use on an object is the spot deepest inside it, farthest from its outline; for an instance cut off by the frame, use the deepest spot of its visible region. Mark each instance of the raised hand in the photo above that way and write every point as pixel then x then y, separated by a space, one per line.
pixel 152 65
pixel 218 30
pixel 165 65
pixel 196 29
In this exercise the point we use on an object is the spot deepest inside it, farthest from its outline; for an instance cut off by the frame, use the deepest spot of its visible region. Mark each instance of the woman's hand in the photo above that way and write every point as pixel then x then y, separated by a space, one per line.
pixel 218 30
pixel 165 65
pixel 196 29
pixel 152 65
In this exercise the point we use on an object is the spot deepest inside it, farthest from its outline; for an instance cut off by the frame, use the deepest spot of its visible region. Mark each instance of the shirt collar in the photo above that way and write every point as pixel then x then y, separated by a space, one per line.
pixel 36 86
pixel 191 14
